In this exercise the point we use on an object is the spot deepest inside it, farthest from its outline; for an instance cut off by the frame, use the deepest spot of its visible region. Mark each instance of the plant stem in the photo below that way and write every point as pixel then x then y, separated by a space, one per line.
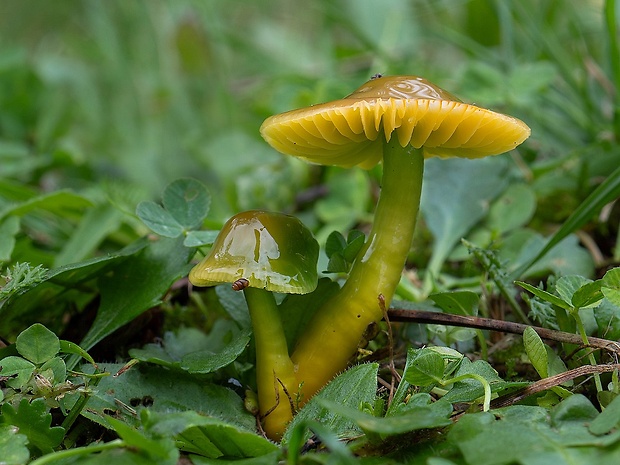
pixel 275 377
pixel 584 338
pixel 334 333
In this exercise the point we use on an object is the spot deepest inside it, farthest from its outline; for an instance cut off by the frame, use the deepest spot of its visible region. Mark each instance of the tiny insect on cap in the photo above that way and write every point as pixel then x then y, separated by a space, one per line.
pixel 261 249
pixel 348 132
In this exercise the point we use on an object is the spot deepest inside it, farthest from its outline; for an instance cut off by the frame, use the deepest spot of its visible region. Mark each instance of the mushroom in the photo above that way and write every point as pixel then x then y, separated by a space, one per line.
pixel 262 252
pixel 397 120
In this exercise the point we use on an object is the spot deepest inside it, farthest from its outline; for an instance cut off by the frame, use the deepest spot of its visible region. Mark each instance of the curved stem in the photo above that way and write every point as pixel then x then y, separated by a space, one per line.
pixel 275 377
pixel 334 333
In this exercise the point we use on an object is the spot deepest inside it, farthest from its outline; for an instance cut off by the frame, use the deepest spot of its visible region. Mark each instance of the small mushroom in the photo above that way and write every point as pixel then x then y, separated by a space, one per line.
pixel 260 252
pixel 399 121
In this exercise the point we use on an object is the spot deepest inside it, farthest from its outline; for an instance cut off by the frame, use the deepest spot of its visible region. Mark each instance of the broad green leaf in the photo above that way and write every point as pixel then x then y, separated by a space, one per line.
pixel 432 415
pixel 608 419
pixel 546 296
pixel 533 435
pixel 195 352
pixel 209 436
pixel 37 344
pixel 34 421
pixel 18 371
pixel 427 368
pixel 154 268
pixel 566 286
pixel 159 219
pixel 353 387
pixel 513 209
pixel 8 229
pixel 164 391
pixel 536 351
pixel 451 213
pixel 13 445
pixel 188 201
pixel 457 302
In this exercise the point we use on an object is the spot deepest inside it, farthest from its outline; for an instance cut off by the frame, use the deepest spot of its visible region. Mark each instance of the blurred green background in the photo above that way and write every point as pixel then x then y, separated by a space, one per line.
pixel 115 99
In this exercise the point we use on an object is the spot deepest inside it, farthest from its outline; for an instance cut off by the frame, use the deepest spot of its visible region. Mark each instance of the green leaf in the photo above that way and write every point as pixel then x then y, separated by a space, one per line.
pixel 163 391
pixel 608 419
pixel 60 203
pixel 533 435
pixel 13 446
pixel 335 243
pixel 353 387
pixel 566 286
pixel 188 202
pixel 514 208
pixel 457 302
pixel 200 238
pixel 8 229
pixel 536 351
pixel 158 219
pixel 96 224
pixel 355 242
pixel 193 351
pixel 546 296
pixel 160 449
pixel 209 436
pixel 416 417
pixel 34 421
pixel 469 389
pixel 588 295
pixel 17 370
pixel 451 213
pixel 427 368
pixel 155 268
pixel 611 286
pixel 37 344
pixel 337 264
pixel 607 317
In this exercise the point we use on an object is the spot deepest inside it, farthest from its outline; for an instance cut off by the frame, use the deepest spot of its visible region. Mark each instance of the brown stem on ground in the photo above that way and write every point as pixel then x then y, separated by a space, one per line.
pixel 420 316
pixel 550 382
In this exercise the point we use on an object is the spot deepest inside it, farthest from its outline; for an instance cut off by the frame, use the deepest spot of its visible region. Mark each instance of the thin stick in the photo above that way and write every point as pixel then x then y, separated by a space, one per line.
pixel 551 381
pixel 420 316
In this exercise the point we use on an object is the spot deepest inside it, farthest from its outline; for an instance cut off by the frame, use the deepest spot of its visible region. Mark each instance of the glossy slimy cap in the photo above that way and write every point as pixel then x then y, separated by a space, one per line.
pixel 347 132
pixel 271 251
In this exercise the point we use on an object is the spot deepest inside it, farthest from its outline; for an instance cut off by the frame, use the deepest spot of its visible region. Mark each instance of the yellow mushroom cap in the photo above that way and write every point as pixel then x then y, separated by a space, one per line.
pixel 347 132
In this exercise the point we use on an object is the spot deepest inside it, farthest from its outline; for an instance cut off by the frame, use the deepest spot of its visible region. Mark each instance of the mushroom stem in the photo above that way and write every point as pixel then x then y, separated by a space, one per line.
pixel 335 331
pixel 274 369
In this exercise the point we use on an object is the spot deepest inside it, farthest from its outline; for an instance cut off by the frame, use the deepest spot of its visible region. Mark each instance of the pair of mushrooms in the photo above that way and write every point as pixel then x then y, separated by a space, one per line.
pixel 399 121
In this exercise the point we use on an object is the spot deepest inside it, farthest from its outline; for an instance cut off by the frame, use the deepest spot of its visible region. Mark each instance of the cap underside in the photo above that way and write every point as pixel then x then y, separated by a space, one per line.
pixel 347 133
